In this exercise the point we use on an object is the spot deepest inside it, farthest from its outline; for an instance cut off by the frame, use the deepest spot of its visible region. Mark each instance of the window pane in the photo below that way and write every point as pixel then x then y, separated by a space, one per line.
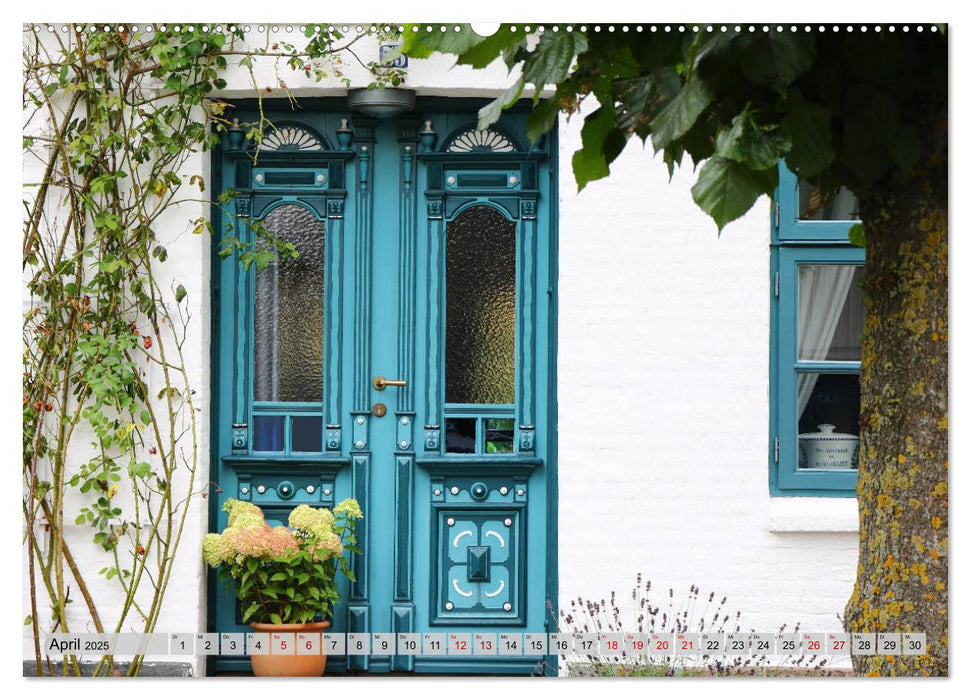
pixel 306 433
pixel 830 312
pixel 288 346
pixel 460 435
pixel 268 433
pixel 829 420
pixel 480 308
pixel 499 435
pixel 842 207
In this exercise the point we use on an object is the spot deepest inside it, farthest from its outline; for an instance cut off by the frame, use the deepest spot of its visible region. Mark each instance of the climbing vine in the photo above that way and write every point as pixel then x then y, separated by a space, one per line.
pixel 111 431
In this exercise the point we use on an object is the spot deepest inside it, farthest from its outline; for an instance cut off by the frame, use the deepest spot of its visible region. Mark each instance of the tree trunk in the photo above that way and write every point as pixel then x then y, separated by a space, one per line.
pixel 903 486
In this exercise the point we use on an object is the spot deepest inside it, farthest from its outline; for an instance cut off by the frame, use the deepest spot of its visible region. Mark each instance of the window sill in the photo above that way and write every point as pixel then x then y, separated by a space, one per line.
pixel 813 515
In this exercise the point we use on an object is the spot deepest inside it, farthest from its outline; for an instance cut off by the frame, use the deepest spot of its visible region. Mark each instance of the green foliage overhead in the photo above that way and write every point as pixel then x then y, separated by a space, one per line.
pixel 842 108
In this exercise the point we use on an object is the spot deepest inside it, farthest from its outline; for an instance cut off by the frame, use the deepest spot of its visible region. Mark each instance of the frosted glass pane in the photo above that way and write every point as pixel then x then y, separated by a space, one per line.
pixel 480 308
pixel 288 345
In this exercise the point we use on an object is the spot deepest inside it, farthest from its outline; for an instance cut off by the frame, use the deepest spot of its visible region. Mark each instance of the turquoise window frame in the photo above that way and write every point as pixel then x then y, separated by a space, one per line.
pixel 799 242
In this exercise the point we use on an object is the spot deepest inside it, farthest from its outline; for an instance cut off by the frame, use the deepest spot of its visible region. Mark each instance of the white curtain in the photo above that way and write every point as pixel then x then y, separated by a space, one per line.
pixel 822 294
pixel 843 207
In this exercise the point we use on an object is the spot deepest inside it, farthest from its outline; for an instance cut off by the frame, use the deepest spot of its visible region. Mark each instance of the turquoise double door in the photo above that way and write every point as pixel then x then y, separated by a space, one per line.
pixel 403 357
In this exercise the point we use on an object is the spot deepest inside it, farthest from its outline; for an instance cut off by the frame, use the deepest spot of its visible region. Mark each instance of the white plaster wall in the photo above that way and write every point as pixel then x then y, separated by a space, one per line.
pixel 664 408
pixel 663 394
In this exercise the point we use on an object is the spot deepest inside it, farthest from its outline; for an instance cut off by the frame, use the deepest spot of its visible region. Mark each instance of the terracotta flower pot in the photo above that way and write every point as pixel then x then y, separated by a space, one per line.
pixel 292 664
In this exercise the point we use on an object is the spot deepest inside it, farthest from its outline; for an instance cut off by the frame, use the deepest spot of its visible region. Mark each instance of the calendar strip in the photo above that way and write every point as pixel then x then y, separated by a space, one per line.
pixel 491 643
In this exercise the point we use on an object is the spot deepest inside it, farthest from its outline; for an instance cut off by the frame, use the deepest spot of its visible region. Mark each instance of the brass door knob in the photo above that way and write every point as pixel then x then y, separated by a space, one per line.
pixel 380 382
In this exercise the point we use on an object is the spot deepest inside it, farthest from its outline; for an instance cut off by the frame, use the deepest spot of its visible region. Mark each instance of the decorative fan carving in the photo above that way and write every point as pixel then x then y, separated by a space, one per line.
pixel 480 141
pixel 291 138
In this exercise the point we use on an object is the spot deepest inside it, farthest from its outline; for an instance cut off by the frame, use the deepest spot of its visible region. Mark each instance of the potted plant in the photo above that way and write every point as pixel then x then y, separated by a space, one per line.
pixel 285 577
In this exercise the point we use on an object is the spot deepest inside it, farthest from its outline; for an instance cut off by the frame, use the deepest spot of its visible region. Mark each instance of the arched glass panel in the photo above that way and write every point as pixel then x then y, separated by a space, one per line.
pixel 288 343
pixel 480 308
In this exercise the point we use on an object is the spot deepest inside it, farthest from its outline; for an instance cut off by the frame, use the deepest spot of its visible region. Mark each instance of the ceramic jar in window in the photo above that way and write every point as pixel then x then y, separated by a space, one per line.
pixel 828 449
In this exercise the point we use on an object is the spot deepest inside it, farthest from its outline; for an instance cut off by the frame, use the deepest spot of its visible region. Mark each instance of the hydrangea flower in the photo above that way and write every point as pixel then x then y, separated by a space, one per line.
pixel 280 541
pixel 217 549
pixel 308 519
pixel 326 518
pixel 243 514
pixel 329 546
pixel 350 508
pixel 251 542
pixel 249 520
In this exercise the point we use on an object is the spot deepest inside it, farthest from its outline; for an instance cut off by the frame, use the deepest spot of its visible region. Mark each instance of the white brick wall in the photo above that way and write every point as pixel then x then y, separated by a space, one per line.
pixel 663 397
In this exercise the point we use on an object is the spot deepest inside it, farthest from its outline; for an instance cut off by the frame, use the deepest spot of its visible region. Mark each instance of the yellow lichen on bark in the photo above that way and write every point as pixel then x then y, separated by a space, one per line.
pixel 902 485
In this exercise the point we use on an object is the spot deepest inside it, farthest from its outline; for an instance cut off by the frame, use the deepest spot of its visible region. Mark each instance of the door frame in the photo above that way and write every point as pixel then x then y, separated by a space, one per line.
pixel 217 363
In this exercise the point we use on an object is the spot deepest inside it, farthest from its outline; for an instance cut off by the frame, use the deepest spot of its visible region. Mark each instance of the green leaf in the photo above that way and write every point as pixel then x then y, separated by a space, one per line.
pixel 725 190
pixel 808 127
pixel 714 47
pixel 279 577
pixel 140 470
pixel 871 59
pixel 631 95
pixel 180 293
pixel 858 235
pixel 250 611
pixel 28 620
pixel 905 147
pixel 489 114
pixel 778 58
pixel 514 53
pixel 422 44
pixel 590 163
pixel 487 49
pixel 263 259
pixel 749 144
pixel 680 114
pixel 276 619
pixel 550 61
pixel 870 121
pixel 541 119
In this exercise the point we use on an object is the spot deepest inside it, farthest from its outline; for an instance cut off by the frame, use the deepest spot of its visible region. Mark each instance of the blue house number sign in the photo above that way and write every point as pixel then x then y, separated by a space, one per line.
pixel 400 62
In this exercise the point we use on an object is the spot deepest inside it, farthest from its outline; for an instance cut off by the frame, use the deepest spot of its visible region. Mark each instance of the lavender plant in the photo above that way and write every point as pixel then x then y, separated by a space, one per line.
pixel 695 612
